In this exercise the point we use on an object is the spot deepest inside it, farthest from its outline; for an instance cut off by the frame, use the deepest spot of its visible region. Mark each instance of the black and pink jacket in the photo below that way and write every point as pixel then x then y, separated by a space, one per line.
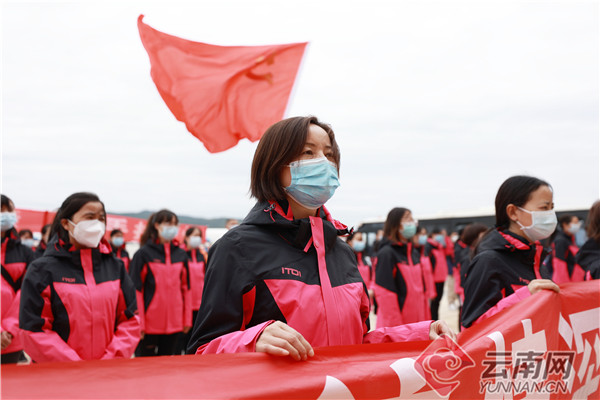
pixel 498 275
pixel 272 267
pixel 400 286
pixel 160 273
pixel 15 259
pixel 437 256
pixel 564 266
pixel 197 269
pixel 588 258
pixel 122 255
pixel 78 305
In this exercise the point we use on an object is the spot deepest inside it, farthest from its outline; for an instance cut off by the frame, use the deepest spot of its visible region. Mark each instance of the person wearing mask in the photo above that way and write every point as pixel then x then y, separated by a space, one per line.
pixel 196 262
pixel 435 251
pixel 16 258
pixel 160 272
pixel 283 281
pixel 588 256
pixel 357 243
pixel 399 281
pixel 77 301
pixel 420 241
pixel 564 249
pixel 506 265
pixel 463 252
pixel 41 248
pixel 27 239
pixel 117 241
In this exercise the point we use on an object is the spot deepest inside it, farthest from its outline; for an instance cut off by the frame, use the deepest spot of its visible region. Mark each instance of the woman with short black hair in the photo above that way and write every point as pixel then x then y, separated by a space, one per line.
pixel 283 281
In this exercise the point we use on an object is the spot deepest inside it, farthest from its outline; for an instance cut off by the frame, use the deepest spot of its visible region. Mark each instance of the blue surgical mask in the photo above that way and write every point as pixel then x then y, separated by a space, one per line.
pixel 168 232
pixel 440 239
pixel 358 246
pixel 409 229
pixel 118 241
pixel 28 242
pixel 8 220
pixel 195 242
pixel 313 181
pixel 422 240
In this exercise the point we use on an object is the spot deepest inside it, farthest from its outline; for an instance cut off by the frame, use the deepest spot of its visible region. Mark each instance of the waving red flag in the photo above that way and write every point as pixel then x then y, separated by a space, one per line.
pixel 222 93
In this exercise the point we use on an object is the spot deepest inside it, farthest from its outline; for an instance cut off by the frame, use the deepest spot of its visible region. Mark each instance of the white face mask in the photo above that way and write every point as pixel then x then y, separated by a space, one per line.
pixel 574 227
pixel 543 224
pixel 195 241
pixel 88 233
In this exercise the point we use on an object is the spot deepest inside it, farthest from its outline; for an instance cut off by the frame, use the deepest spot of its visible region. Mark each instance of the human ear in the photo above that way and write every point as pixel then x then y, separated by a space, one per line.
pixel 511 211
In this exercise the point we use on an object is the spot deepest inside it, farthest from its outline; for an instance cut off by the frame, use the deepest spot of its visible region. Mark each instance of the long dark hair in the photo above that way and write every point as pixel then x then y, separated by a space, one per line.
pixel 8 203
pixel 69 207
pixel 150 233
pixel 392 223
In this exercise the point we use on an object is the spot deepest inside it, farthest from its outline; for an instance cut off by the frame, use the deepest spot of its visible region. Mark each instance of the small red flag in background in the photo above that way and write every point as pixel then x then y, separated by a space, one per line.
pixel 222 93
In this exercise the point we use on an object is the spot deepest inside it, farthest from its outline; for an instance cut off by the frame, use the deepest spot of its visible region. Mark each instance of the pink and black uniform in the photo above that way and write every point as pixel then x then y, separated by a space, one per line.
pixel 272 267
pixel 197 266
pixel 16 257
pixel 160 273
pixel 564 266
pixel 498 275
pixel 588 258
pixel 78 305
pixel 122 255
pixel 439 266
pixel 462 258
pixel 365 269
pixel 400 286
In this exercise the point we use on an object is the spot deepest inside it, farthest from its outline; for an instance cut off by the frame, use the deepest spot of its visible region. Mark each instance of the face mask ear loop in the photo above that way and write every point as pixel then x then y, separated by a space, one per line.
pixel 528 212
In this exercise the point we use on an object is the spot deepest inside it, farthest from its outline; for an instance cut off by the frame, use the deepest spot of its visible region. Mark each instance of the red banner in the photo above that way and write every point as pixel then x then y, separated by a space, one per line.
pixel 546 347
pixel 132 227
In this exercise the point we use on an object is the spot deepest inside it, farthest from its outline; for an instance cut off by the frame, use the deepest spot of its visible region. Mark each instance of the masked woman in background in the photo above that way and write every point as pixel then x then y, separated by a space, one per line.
pixel 16 257
pixel 77 301
pixel 283 281
pixel 160 272
pixel 117 240
pixel 400 283
pixel 506 265
pixel 588 256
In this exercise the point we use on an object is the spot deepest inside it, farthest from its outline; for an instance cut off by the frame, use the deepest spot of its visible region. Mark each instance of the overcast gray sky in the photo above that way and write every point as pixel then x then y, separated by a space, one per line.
pixel 434 104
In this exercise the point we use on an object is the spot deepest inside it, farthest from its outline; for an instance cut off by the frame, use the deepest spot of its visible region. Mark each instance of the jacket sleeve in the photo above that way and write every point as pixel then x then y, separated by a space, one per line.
pixel 137 272
pixel 401 333
pixel 506 302
pixel 127 331
pixel 187 295
pixel 235 342
pixel 223 315
pixel 560 272
pixel 484 290
pixel 430 291
pixel 35 319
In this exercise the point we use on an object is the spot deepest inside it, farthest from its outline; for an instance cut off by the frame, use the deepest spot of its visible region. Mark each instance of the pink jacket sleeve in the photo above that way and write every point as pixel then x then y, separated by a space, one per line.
pixel 235 342
pixel 125 339
pixel 400 333
pixel 48 346
pixel 506 302
pixel 430 291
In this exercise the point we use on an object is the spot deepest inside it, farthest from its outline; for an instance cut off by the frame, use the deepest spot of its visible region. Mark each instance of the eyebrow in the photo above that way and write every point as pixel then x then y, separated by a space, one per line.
pixel 314 145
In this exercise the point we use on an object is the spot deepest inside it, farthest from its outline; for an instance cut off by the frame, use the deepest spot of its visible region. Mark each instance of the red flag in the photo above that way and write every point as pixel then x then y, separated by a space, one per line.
pixel 222 93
